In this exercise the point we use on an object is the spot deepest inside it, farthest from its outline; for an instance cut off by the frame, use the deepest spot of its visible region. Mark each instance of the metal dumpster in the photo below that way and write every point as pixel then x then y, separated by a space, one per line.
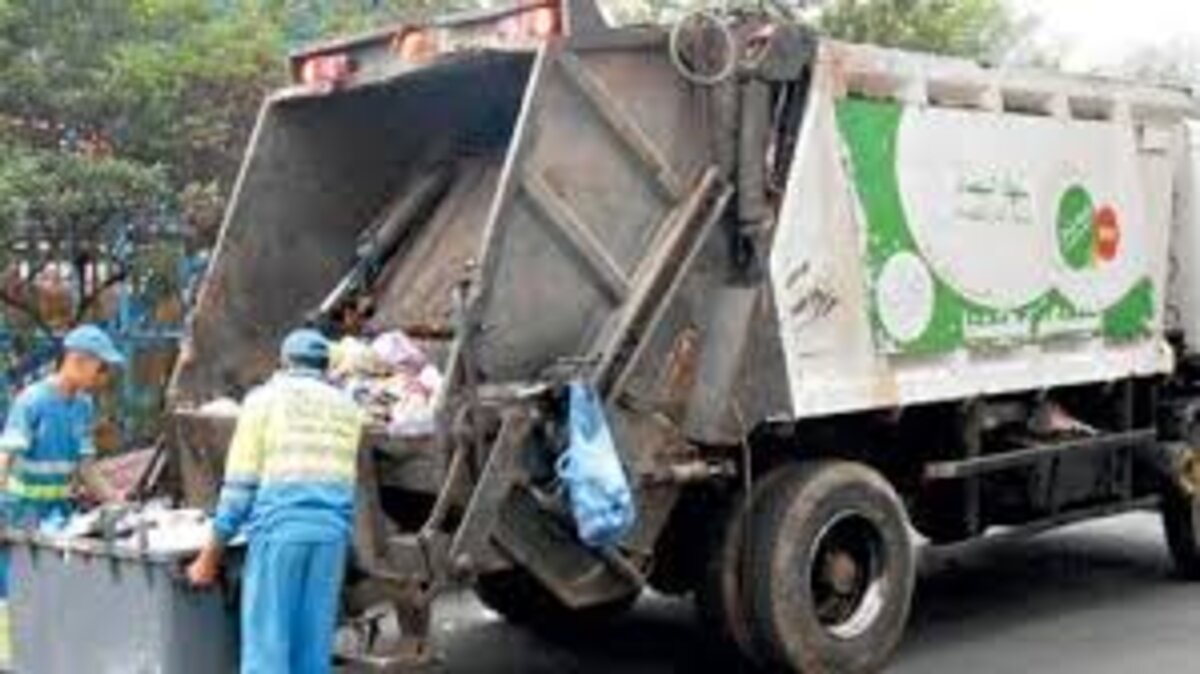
pixel 83 606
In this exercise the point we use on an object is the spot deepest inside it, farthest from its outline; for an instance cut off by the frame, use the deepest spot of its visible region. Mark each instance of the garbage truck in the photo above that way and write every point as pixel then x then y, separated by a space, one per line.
pixel 838 301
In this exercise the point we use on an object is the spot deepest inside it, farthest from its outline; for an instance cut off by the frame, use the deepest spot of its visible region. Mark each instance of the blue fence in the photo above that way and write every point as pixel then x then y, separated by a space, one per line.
pixel 136 321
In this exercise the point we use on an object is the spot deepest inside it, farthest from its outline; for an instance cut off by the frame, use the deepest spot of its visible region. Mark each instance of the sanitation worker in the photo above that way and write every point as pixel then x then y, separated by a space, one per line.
pixel 289 486
pixel 48 439
pixel 47 443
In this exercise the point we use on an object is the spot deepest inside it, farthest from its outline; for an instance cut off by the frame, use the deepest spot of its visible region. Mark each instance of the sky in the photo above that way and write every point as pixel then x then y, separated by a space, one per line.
pixel 1104 33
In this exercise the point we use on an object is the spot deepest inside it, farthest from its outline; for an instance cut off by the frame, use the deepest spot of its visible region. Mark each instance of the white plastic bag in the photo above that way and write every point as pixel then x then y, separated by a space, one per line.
pixel 399 352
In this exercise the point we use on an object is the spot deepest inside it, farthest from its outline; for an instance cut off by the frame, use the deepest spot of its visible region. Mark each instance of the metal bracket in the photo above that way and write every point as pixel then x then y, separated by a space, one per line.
pixel 474 533
pixel 991 463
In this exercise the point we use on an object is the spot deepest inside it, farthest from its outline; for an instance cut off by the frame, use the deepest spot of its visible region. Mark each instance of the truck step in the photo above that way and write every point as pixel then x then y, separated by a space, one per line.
pixel 1069 517
pixel 991 463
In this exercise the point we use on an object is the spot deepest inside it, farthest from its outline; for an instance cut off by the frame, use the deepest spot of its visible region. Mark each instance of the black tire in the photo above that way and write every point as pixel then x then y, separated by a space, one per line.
pixel 1181 521
pixel 521 600
pixel 1181 504
pixel 834 570
pixel 721 597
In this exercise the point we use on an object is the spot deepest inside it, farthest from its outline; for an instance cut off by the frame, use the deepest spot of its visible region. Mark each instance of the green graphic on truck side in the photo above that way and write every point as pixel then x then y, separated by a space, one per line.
pixel 916 311
pixel 1076 236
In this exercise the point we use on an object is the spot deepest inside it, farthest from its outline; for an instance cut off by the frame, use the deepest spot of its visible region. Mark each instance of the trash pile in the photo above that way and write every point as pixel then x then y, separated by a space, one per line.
pixel 392 378
pixel 151 528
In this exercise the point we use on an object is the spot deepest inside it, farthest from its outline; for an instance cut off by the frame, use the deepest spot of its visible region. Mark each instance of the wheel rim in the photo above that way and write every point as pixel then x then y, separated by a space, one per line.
pixel 846 575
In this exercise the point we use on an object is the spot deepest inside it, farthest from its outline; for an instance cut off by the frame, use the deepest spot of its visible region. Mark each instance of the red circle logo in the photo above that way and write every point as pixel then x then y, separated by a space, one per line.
pixel 1108 234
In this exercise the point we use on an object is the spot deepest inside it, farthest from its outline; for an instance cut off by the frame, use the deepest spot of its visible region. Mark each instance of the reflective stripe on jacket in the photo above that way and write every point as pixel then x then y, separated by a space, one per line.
pixel 292 463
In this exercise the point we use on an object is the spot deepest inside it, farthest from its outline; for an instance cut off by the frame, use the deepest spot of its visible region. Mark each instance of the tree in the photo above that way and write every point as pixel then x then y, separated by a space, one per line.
pixel 119 119
pixel 95 81
pixel 971 28
pixel 170 87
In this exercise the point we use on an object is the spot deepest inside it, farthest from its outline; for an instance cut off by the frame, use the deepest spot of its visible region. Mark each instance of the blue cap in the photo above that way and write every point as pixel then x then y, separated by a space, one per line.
pixel 304 346
pixel 91 340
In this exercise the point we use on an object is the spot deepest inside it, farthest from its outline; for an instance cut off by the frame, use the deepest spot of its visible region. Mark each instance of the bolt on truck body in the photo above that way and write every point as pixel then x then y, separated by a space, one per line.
pixel 831 294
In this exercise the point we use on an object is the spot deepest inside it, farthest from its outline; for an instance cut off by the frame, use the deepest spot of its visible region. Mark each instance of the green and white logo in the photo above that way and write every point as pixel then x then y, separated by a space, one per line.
pixel 1076 234
pixel 906 297
pixel 961 252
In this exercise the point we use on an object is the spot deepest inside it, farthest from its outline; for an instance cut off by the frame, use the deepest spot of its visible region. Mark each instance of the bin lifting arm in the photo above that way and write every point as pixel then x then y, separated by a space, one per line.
pixel 382 242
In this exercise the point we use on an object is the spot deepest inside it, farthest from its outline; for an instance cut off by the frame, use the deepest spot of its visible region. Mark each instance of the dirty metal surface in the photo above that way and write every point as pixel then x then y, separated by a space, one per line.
pixel 318 172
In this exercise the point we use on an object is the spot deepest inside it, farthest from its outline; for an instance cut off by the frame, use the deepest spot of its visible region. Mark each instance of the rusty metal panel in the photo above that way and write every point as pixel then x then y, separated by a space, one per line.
pixel 597 172
pixel 546 545
pixel 543 305
pixel 318 172
pixel 568 171
pixel 419 288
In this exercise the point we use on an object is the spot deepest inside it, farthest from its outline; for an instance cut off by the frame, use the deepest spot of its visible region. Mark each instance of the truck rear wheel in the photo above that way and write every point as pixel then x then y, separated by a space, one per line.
pixel 1181 521
pixel 521 600
pixel 721 595
pixel 834 570
pixel 1181 505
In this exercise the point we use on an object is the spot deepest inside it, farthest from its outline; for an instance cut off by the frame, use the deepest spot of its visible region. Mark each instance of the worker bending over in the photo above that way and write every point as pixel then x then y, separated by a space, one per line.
pixel 48 439
pixel 289 485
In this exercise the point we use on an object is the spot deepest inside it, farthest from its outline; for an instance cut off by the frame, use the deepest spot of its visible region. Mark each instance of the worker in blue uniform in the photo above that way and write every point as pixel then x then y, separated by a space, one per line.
pixel 289 486
pixel 47 441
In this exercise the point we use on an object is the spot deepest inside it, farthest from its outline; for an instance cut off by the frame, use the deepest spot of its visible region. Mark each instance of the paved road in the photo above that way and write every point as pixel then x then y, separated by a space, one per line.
pixel 1096 599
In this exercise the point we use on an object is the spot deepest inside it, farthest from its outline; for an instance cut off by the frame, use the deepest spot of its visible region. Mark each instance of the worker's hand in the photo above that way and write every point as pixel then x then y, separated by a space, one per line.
pixel 202 573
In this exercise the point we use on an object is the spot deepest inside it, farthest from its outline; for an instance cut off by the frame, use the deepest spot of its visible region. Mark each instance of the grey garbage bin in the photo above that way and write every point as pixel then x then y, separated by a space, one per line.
pixel 86 607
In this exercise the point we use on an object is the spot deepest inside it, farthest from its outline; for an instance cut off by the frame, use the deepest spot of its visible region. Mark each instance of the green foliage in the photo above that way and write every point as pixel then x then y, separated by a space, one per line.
pixel 117 112
pixel 116 72
pixel 170 86
pixel 54 189
pixel 185 91
pixel 971 28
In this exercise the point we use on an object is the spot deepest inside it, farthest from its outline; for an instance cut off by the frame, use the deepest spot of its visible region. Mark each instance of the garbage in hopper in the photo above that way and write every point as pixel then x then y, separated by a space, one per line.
pixel 390 375
pixel 392 379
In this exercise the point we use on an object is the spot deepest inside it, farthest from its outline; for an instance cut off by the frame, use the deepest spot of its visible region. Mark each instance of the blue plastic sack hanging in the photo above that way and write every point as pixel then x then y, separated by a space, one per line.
pixel 598 490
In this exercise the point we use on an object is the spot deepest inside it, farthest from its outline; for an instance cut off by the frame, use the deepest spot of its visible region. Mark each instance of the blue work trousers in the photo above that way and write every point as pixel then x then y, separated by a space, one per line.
pixel 290 606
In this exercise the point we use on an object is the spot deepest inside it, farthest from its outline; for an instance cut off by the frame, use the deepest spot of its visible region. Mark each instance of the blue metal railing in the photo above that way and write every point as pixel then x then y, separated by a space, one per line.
pixel 29 353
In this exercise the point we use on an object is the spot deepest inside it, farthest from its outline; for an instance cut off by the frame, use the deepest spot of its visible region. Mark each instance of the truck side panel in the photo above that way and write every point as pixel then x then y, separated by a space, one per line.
pixel 950 233
pixel 1184 302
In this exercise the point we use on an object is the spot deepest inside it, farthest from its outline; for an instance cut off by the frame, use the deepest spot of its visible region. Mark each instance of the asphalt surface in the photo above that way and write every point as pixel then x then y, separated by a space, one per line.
pixel 1094 599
